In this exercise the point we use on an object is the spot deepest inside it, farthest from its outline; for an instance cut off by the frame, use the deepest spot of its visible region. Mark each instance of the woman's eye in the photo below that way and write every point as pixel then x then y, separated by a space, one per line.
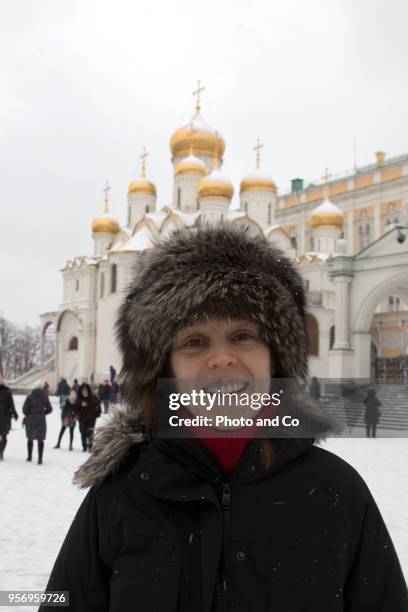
pixel 242 336
pixel 193 342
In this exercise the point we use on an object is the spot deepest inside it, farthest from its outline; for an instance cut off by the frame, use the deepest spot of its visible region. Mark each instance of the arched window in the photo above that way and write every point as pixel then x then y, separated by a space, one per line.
pixel 269 213
pixel 313 335
pixel 114 278
pixel 246 207
pixel 73 344
pixel 147 208
pixel 178 197
pixel 332 336
pixel 77 285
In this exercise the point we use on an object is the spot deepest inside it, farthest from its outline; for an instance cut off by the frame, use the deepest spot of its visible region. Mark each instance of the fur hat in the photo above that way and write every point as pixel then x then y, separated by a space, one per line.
pixel 219 271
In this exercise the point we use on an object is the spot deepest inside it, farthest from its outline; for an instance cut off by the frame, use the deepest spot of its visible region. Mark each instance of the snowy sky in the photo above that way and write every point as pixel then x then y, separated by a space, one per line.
pixel 87 83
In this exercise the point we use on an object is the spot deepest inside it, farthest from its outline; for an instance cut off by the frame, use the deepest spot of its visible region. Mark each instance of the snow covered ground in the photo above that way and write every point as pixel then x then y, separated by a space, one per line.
pixel 38 502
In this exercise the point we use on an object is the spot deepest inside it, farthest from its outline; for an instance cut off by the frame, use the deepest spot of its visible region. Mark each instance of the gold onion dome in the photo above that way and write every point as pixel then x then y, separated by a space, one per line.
pixel 327 214
pixel 142 186
pixel 191 166
pixel 197 136
pixel 257 181
pixel 215 185
pixel 106 223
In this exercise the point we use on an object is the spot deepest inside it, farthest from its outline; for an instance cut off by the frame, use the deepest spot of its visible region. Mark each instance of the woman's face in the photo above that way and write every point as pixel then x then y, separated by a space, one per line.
pixel 84 392
pixel 224 355
pixel 220 349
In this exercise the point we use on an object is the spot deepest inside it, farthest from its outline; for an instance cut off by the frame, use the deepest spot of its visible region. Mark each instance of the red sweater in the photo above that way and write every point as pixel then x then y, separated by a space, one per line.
pixel 227 448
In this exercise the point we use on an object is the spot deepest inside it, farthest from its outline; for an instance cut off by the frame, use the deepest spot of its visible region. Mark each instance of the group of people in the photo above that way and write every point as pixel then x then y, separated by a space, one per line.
pixel 78 404
pixel 81 402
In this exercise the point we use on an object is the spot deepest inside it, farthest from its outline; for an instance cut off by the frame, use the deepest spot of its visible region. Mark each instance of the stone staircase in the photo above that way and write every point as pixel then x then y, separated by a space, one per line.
pixel 350 407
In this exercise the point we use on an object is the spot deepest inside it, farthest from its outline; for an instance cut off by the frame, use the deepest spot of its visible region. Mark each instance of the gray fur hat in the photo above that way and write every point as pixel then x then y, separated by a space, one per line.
pixel 220 271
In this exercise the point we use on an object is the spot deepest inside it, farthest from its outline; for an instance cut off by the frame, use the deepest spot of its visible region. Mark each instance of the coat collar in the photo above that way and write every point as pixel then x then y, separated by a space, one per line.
pixel 121 434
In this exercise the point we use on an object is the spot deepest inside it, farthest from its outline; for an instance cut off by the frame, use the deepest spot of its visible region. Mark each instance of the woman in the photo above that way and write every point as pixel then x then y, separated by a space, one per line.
pixel 224 523
pixel 35 408
pixel 7 412
pixel 69 416
pixel 89 409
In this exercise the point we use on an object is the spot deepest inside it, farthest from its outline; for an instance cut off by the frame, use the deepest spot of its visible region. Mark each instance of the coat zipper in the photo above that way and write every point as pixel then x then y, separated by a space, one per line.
pixel 226 509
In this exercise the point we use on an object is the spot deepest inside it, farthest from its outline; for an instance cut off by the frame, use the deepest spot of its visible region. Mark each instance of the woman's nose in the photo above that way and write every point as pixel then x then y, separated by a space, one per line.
pixel 221 359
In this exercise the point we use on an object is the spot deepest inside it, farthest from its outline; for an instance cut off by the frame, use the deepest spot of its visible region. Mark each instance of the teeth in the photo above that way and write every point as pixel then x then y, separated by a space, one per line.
pixel 232 388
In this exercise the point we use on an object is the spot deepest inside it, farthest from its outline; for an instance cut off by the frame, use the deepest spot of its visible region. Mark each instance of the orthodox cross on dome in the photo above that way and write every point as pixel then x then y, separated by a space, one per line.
pixel 106 190
pixel 326 177
pixel 258 148
pixel 197 93
pixel 143 157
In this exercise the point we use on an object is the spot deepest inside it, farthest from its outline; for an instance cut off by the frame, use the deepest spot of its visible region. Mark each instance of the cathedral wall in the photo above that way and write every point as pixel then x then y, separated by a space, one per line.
pixel 106 351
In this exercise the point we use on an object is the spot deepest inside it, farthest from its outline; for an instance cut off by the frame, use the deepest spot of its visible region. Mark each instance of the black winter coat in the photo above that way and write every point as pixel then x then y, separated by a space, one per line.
pixel 372 411
pixel 35 409
pixel 7 409
pixel 170 532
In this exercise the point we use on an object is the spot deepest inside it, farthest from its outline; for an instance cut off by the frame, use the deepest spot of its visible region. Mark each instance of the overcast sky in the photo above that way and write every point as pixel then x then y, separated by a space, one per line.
pixel 86 84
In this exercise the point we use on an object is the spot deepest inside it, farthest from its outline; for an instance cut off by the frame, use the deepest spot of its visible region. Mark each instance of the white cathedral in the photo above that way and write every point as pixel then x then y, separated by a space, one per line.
pixel 348 237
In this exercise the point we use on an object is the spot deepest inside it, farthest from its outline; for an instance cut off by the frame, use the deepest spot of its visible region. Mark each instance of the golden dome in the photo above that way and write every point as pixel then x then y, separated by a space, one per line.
pixel 198 136
pixel 191 166
pixel 105 224
pixel 215 185
pixel 142 186
pixel 327 214
pixel 257 181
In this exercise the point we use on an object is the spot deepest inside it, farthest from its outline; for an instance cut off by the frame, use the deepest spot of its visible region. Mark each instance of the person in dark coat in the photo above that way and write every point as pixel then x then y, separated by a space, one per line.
pixel 75 385
pixel 114 391
pixel 372 413
pixel 104 393
pixel 63 390
pixel 89 409
pixel 180 524
pixel 35 409
pixel 7 412
pixel 112 373
pixel 69 417
pixel 314 389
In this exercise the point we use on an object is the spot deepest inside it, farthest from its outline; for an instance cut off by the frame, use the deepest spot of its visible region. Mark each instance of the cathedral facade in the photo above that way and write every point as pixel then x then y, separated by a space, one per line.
pixel 346 235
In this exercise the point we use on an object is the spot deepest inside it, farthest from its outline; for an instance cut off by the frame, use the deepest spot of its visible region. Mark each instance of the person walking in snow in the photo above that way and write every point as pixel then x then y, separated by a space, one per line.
pixel 371 413
pixel 104 393
pixel 69 416
pixel 35 408
pixel 114 391
pixel 220 523
pixel 7 412
pixel 63 390
pixel 89 409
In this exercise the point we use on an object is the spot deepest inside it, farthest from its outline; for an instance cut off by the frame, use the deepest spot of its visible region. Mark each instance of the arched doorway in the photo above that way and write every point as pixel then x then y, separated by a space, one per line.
pixel 68 349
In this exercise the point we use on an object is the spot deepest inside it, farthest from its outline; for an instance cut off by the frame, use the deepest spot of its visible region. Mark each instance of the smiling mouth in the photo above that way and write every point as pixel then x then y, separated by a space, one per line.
pixel 226 387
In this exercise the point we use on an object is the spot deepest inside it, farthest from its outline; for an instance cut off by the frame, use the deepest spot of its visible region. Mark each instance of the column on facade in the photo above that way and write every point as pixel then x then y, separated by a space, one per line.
pixel 342 311
pixel 377 222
